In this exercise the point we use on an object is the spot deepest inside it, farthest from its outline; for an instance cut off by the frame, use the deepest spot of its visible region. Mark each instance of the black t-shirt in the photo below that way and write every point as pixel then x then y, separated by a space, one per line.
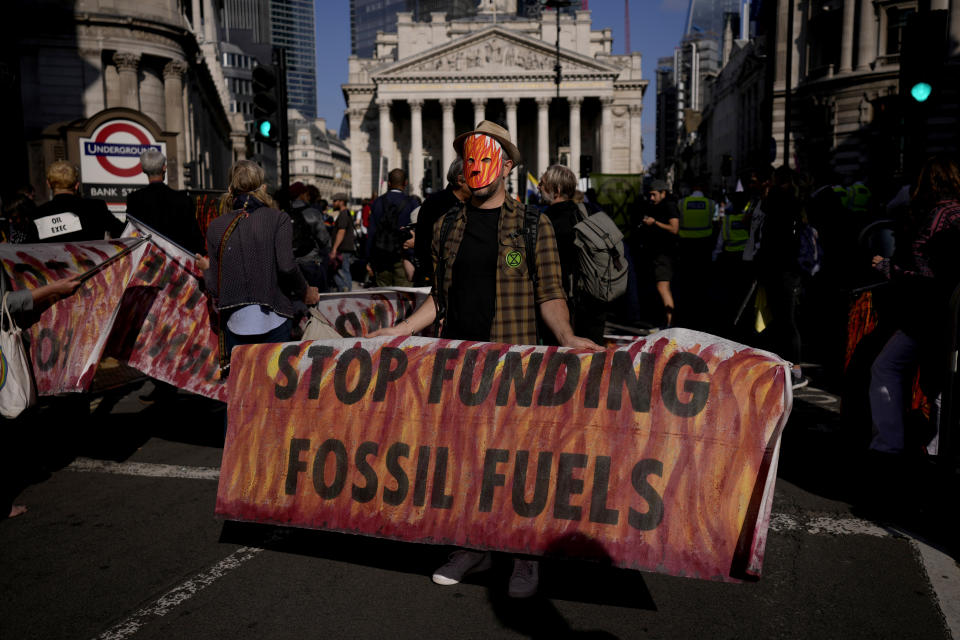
pixel 657 241
pixel 471 299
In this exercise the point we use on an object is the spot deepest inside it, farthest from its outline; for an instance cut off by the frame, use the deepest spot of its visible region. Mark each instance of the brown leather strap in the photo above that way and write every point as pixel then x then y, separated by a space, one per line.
pixel 222 342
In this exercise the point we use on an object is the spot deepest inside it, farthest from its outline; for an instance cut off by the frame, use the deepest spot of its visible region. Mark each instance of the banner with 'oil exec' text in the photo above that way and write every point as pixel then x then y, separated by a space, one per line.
pixel 660 455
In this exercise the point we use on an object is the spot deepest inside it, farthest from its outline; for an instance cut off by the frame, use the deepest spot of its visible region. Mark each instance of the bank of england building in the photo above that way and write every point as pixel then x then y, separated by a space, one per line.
pixel 432 80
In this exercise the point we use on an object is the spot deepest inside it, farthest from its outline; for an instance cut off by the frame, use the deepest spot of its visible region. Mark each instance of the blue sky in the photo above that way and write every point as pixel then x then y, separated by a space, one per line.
pixel 656 28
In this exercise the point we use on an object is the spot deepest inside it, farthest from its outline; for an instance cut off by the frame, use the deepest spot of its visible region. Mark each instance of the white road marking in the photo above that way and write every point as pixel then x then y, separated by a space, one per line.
pixel 944 576
pixel 145 469
pixel 179 594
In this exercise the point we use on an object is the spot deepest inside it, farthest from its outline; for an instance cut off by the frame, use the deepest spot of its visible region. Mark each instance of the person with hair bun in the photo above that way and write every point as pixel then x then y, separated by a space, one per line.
pixel 251 273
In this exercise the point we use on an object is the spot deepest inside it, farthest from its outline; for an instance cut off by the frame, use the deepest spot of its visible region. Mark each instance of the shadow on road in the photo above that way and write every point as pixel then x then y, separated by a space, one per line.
pixel 560 579
pixel 824 452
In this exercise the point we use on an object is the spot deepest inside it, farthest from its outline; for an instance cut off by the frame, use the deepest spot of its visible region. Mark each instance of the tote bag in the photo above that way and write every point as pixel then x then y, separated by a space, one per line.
pixel 17 390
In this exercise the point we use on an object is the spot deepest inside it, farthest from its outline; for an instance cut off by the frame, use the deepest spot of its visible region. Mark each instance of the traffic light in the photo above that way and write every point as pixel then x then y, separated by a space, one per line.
pixel 923 51
pixel 266 104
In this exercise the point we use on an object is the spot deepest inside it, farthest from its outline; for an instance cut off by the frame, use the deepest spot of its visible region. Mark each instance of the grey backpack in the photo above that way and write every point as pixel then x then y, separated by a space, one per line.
pixel 603 267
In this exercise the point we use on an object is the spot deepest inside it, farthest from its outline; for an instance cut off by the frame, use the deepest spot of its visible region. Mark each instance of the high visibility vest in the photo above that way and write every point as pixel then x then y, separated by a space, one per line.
pixel 696 217
pixel 735 232
pixel 843 193
pixel 859 197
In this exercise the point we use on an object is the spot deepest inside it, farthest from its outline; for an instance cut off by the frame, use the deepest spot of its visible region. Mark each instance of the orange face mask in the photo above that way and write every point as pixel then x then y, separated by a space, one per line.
pixel 482 159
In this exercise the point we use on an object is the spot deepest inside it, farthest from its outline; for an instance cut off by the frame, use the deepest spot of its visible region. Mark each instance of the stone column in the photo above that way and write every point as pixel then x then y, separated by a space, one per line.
pixel 358 187
pixel 511 104
pixel 447 104
pixel 543 135
pixel 846 36
pixel 209 21
pixel 479 110
pixel 127 65
pixel 575 134
pixel 173 115
pixel 416 145
pixel 867 53
pixel 386 139
pixel 606 133
pixel 197 21
pixel 636 139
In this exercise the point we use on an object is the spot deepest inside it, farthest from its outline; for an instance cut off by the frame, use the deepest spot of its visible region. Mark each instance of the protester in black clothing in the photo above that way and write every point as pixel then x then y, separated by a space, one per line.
pixel 69 218
pixel 169 212
pixel 432 210
pixel 389 216
pixel 778 270
pixel 661 223
pixel 311 239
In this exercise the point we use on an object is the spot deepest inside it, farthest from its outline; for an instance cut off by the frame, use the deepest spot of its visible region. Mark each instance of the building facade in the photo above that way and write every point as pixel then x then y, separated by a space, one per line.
pixel 244 44
pixel 292 27
pixel 836 89
pixel 433 80
pixel 160 58
pixel 317 155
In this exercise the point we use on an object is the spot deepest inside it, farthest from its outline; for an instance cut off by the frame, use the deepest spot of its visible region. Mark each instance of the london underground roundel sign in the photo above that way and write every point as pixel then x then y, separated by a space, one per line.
pixel 110 160
pixel 111 155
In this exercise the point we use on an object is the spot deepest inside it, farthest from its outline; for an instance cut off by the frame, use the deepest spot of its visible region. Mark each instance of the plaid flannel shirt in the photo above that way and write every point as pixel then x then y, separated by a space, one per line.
pixel 515 316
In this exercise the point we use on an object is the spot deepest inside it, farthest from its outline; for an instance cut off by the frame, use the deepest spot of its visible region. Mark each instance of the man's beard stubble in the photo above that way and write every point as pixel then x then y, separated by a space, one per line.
pixel 485 193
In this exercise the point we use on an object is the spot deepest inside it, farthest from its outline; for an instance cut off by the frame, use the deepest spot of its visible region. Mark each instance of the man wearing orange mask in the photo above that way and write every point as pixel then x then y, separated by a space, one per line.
pixel 484 291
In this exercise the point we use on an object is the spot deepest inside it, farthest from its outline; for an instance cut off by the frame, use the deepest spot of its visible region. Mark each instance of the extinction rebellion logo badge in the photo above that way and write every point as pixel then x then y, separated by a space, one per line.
pixel 514 259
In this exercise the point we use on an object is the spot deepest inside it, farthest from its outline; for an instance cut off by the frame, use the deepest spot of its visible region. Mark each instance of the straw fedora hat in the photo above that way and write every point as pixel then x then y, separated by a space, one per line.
pixel 496 132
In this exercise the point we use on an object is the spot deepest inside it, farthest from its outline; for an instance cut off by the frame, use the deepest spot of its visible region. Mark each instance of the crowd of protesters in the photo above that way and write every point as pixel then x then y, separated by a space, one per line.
pixel 775 262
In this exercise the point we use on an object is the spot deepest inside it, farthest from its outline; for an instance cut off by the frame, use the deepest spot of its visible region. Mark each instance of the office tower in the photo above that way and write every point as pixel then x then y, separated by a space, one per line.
pixel 369 16
pixel 705 18
pixel 292 27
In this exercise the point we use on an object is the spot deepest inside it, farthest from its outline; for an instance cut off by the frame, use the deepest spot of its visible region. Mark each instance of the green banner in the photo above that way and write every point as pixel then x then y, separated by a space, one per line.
pixel 618 194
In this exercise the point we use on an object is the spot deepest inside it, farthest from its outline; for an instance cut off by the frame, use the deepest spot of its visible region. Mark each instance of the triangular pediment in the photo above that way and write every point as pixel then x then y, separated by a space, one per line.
pixel 495 51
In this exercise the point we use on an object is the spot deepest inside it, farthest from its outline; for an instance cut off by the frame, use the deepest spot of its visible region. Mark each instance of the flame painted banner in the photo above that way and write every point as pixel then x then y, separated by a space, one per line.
pixel 658 456
pixel 166 326
pixel 150 311
pixel 359 313
pixel 68 340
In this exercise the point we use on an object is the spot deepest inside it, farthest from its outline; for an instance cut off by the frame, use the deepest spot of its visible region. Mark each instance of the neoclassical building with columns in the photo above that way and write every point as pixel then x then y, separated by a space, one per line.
pixel 435 79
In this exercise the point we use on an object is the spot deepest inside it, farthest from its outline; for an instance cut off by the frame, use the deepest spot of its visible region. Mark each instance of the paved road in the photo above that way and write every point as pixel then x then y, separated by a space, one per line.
pixel 120 542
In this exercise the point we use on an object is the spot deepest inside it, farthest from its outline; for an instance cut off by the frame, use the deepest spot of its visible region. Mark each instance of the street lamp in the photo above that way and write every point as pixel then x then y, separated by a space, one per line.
pixel 556 5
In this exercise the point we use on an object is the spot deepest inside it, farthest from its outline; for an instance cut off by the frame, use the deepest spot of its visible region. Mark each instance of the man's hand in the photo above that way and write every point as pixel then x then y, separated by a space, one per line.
pixel 202 261
pixel 50 293
pixel 876 260
pixel 576 342
pixel 649 220
pixel 398 330
pixel 312 296
pixel 63 288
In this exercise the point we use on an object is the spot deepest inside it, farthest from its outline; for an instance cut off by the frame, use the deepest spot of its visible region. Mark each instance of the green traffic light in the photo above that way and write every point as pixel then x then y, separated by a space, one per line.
pixel 265 128
pixel 921 91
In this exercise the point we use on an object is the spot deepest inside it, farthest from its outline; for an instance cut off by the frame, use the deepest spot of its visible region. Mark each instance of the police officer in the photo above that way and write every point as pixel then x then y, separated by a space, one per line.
pixel 695 242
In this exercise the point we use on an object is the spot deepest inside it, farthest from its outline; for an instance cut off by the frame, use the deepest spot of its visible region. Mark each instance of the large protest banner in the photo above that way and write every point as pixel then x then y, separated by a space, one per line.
pixel 150 310
pixel 68 340
pixel 658 456
pixel 164 327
